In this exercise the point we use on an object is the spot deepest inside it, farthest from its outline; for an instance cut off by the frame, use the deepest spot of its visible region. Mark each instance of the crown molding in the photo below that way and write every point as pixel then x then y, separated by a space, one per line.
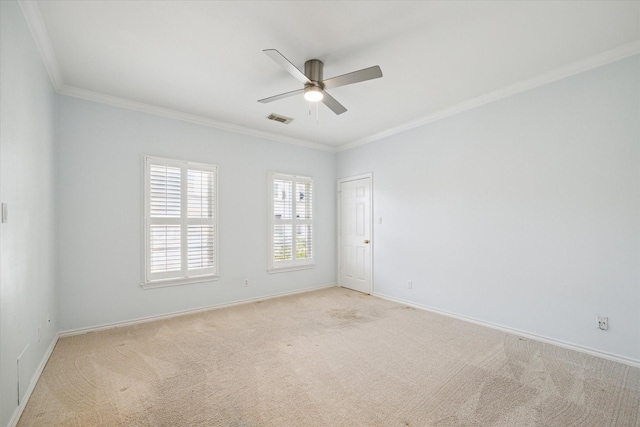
pixel 41 37
pixel 32 15
pixel 599 60
pixel 36 25
pixel 186 117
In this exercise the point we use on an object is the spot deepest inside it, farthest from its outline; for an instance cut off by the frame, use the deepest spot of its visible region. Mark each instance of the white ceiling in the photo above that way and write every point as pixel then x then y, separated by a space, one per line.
pixel 202 61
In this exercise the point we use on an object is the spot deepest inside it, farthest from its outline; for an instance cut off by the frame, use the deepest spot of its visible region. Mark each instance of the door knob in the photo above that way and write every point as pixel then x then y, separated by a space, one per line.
pixel 366 241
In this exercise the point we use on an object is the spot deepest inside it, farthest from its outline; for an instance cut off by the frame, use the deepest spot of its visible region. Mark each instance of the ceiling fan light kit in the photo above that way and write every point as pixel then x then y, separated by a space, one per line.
pixel 313 94
pixel 314 84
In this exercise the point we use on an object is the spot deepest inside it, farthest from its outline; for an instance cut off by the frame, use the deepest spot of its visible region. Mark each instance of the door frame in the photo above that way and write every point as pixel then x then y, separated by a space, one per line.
pixel 339 228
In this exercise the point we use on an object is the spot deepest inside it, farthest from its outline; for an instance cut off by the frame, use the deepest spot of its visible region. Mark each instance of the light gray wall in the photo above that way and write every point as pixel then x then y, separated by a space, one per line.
pixel 27 182
pixel 100 202
pixel 524 212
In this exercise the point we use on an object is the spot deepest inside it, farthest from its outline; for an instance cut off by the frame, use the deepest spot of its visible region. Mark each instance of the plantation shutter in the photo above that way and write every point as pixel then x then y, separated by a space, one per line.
pixel 291 231
pixel 165 256
pixel 201 232
pixel 304 218
pixel 180 212
pixel 282 213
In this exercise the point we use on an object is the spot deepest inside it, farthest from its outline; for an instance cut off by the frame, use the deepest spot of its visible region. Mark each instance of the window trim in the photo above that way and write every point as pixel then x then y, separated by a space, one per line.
pixel 294 264
pixel 150 283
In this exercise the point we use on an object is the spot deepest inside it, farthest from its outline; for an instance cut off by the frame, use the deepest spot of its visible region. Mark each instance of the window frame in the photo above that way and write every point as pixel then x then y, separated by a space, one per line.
pixel 183 276
pixel 294 264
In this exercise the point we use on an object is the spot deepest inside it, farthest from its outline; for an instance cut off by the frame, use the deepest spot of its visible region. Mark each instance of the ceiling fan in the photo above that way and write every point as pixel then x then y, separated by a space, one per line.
pixel 314 85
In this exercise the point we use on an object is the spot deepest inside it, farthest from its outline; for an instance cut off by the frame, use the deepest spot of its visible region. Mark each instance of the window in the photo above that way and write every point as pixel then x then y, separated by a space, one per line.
pixel 291 222
pixel 180 230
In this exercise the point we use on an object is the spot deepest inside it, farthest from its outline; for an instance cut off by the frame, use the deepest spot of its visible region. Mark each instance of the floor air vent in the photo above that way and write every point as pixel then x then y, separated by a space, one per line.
pixel 278 118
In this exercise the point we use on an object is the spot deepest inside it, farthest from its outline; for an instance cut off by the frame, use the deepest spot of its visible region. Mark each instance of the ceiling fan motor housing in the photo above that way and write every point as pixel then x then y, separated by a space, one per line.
pixel 313 71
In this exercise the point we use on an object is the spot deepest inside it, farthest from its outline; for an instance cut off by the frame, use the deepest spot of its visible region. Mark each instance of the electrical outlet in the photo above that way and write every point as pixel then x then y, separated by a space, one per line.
pixel 602 322
pixel 409 284
pixel 246 282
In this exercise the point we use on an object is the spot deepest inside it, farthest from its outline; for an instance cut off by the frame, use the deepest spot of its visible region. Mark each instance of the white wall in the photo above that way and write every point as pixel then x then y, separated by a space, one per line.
pixel 100 202
pixel 524 212
pixel 27 181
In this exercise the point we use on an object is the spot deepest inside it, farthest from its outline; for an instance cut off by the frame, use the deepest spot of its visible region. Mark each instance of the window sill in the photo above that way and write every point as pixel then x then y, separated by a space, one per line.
pixel 179 282
pixel 293 268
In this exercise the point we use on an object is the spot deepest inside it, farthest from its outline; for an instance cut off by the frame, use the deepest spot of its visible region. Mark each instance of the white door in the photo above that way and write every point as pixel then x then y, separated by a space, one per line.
pixel 355 234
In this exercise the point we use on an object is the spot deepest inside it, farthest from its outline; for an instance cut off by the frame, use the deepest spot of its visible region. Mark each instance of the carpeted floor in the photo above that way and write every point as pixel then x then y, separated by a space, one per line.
pixel 332 357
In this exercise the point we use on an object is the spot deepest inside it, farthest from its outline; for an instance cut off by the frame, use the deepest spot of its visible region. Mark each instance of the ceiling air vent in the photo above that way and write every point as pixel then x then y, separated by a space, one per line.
pixel 278 118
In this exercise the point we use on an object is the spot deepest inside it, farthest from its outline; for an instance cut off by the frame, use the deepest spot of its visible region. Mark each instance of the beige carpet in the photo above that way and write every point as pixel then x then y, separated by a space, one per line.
pixel 326 358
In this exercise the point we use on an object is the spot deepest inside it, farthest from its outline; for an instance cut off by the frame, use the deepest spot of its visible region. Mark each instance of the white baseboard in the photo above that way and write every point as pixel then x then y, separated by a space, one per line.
pixel 17 413
pixel 185 312
pixel 513 331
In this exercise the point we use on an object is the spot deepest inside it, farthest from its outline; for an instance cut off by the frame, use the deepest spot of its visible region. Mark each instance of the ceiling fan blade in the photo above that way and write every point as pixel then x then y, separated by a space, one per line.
pixel 281 96
pixel 287 65
pixel 333 105
pixel 355 77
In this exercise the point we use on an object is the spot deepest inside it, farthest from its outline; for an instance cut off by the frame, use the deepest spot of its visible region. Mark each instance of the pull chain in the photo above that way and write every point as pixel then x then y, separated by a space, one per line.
pixel 317 114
